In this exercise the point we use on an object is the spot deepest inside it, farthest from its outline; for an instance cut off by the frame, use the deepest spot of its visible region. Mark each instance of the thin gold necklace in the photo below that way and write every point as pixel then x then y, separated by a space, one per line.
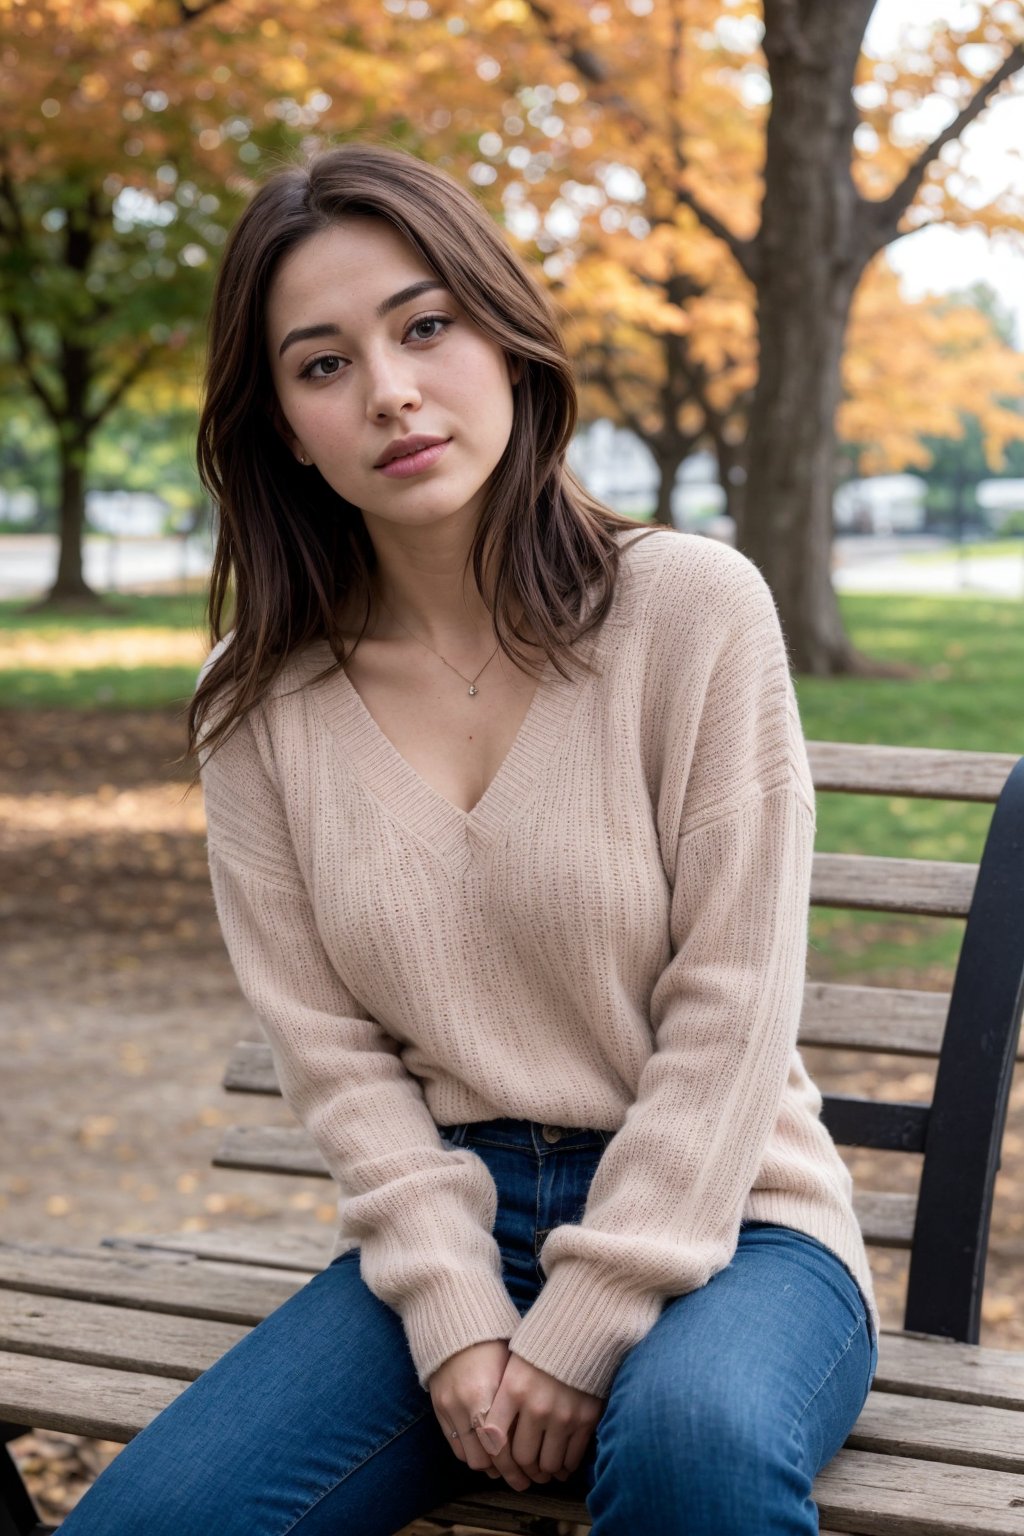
pixel 471 681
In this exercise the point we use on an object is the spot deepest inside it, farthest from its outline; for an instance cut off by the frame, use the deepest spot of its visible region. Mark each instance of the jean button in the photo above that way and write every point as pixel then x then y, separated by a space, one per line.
pixel 552 1132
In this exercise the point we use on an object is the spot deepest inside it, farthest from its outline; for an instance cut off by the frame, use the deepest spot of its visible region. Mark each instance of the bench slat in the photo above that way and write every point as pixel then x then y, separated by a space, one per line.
pixel 251 1069
pixel 942 1368
pixel 308 1250
pixel 79 1399
pixel 856 1486
pixel 270 1149
pixel 177 1284
pixel 155 1343
pixel 126 1339
pixel 886 1220
pixel 913 772
pixel 964 1433
pixel 866 883
pixel 835 1015
pixel 852 1018
pixel 900 1496
pixel 908 1365
pixel 858 1491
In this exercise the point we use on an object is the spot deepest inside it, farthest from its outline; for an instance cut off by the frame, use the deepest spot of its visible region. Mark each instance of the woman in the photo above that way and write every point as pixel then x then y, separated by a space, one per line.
pixel 510 829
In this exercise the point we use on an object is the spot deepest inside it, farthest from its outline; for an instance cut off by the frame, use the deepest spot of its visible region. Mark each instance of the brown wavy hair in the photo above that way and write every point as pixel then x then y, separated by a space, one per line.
pixel 295 551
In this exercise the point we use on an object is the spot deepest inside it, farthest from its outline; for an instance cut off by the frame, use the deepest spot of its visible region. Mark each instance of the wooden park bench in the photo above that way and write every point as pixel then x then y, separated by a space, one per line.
pixel 98 1342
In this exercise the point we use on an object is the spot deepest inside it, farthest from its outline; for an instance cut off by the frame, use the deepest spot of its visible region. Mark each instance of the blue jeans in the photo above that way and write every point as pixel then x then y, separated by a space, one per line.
pixel 314 1424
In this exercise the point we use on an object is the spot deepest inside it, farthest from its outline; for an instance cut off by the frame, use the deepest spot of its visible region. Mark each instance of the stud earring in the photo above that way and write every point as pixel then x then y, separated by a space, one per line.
pixel 303 459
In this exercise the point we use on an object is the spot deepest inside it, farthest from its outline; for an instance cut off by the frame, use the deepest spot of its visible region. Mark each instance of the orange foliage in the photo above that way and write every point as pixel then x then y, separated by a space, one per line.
pixel 914 370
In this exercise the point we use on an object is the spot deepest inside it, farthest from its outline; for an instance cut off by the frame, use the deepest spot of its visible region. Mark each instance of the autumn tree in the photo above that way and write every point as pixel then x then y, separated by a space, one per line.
pixel 839 175
pixel 819 231
pixel 129 134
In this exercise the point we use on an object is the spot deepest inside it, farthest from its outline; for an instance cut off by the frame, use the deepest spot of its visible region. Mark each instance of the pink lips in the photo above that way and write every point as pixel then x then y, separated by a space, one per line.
pixel 414 463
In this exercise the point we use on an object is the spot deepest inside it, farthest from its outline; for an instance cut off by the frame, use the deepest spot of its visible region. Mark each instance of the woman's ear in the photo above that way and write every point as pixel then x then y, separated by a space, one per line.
pixel 281 426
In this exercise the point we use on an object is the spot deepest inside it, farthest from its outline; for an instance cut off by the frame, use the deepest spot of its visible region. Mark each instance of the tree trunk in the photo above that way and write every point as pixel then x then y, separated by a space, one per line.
pixel 75 431
pixel 70 580
pixel 810 256
pixel 732 474
pixel 668 468
pixel 74 423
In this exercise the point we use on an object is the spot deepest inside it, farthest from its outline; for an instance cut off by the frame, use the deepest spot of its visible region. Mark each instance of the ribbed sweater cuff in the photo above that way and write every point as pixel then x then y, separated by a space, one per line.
pixel 453 1311
pixel 582 1324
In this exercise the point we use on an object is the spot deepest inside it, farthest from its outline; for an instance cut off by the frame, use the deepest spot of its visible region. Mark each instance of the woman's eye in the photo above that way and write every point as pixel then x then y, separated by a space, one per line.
pixel 439 322
pixel 328 365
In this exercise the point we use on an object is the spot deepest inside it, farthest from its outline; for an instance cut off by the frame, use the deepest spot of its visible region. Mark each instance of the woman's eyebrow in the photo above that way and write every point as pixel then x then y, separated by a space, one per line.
pixel 314 332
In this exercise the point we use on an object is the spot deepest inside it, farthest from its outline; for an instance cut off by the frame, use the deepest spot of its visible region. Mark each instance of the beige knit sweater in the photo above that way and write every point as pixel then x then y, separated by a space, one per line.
pixel 613 937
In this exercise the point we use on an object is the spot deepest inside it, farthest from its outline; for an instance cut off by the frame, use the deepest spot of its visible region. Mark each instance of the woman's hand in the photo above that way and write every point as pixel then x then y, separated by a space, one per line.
pixel 553 1422
pixel 462 1390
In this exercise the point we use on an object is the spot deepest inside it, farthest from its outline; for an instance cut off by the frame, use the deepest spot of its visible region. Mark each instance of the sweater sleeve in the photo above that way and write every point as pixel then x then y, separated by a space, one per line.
pixel 735 820
pixel 423 1214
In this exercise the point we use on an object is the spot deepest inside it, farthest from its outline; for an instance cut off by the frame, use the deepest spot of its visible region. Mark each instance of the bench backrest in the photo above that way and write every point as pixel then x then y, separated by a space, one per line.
pixel 974 1032
pixel 976 1036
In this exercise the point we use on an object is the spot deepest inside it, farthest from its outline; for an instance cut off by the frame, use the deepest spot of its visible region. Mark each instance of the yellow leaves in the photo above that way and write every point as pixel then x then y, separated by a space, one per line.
pixel 913 369
pixel 609 294
pixel 290 76
pixel 93 87
pixel 511 12
pixel 431 61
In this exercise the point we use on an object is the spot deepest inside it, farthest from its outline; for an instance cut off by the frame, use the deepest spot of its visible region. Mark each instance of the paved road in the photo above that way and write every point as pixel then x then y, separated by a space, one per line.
pixel 27 563
pixel 970 575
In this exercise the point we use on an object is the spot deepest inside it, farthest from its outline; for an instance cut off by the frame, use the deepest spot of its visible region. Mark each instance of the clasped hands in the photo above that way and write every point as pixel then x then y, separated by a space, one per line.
pixel 514 1420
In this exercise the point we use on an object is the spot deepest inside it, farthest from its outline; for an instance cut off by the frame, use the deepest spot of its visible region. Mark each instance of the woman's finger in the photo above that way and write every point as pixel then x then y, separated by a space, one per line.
pixel 553 1451
pixel 576 1449
pixel 509 1469
pixel 525 1443
pixel 474 1455
pixel 453 1440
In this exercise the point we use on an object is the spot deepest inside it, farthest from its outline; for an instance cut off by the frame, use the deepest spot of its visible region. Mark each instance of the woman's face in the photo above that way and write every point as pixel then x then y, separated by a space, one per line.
pixel 367 348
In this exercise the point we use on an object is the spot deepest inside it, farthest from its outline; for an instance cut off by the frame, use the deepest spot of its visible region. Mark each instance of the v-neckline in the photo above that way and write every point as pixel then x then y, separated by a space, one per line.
pixel 454 833
pixel 392 779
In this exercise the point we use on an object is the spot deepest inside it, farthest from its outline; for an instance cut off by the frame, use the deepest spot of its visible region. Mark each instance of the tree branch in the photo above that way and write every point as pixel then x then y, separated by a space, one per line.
pixel 584 60
pixel 187 13
pixel 35 383
pixel 120 389
pixel 745 251
pixel 884 216
pixel 596 73
pixel 610 384
pixel 10 197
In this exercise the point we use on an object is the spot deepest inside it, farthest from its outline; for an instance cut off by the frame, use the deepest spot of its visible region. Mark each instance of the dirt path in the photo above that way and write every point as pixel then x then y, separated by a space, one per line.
pixel 120 1008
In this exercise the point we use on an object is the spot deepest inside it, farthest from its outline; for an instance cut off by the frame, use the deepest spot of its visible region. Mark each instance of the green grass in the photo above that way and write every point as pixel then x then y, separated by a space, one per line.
pixel 127 610
pixel 990 549
pixel 967 694
pixel 94 660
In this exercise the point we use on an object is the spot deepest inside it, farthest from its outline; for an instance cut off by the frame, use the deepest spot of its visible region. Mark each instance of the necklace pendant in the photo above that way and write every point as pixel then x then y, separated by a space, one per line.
pixel 472 689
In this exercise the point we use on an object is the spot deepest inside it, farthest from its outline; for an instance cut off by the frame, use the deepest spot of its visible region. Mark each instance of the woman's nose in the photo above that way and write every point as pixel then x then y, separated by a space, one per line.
pixel 391 387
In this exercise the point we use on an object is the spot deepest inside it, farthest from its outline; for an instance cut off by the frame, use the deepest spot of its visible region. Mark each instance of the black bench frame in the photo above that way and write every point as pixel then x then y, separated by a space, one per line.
pixel 960 1132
